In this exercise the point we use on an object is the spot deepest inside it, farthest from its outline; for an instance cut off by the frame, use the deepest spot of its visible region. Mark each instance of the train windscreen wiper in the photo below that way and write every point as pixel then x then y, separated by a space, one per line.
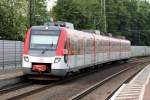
pixel 46 49
pixel 43 51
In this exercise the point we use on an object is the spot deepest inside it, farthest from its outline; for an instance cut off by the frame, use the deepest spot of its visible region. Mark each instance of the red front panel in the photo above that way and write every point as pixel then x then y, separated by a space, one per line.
pixel 62 38
pixel 26 43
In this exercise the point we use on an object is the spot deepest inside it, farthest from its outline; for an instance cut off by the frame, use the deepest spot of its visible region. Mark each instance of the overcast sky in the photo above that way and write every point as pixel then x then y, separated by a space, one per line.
pixel 50 4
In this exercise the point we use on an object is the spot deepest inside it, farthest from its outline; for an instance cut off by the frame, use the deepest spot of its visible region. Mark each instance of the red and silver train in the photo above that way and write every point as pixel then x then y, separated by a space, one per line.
pixel 57 51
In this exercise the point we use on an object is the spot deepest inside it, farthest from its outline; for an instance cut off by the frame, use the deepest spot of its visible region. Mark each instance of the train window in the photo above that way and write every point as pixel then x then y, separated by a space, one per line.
pixel 44 39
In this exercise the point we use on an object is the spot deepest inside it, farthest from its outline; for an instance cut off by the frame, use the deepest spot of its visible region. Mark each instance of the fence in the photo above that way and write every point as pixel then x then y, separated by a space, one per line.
pixel 140 51
pixel 10 54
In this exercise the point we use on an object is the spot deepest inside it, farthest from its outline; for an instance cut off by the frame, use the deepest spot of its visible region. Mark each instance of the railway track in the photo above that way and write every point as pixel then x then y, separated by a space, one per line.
pixel 38 88
pixel 98 84
pixel 49 86
pixel 14 87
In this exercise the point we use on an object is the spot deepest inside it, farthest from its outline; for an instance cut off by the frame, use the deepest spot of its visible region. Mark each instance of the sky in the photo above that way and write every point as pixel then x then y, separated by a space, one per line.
pixel 50 4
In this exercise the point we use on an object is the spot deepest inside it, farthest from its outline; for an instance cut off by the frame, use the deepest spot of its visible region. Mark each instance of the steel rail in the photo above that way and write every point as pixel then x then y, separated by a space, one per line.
pixel 50 86
pixel 100 83
pixel 14 87
pixel 55 84
pixel 126 81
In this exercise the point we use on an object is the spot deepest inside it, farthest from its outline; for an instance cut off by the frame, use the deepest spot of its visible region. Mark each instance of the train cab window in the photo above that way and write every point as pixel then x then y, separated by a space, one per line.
pixel 44 39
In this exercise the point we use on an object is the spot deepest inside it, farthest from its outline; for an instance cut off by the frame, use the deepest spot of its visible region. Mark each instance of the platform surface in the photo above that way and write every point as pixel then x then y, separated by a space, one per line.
pixel 10 73
pixel 137 89
pixel 147 92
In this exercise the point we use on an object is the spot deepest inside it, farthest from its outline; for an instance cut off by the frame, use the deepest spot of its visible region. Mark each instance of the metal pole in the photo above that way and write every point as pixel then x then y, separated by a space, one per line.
pixel 30 13
pixel 101 7
pixel 20 53
pixel 15 55
pixel 105 23
pixel 101 13
pixel 3 55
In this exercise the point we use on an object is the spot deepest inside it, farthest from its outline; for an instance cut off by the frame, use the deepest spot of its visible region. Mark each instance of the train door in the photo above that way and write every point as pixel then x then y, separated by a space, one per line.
pixel 86 60
pixel 109 49
pixel 77 55
pixel 83 50
pixel 71 57
pixel 96 51
pixel 90 48
pixel 120 49
pixel 67 53
pixel 100 50
pixel 93 49
pixel 105 53
pixel 80 55
pixel 84 44
pixel 75 52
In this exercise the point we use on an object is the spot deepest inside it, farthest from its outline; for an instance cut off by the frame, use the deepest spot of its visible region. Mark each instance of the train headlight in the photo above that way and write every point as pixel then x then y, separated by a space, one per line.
pixel 57 60
pixel 26 58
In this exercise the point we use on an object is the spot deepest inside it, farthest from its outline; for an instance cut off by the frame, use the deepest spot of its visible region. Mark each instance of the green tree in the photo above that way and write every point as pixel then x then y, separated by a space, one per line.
pixel 39 14
pixel 14 17
pixel 67 10
pixel 128 18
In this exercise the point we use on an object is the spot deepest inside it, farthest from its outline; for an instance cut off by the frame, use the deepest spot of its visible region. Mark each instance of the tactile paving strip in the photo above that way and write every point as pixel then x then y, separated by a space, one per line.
pixel 143 77
pixel 134 90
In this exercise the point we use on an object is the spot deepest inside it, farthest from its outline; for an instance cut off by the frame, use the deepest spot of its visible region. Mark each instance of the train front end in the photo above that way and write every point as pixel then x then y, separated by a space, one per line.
pixel 44 52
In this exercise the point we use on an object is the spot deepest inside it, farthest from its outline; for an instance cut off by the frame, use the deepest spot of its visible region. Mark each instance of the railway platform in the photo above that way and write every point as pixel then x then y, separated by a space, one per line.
pixel 10 76
pixel 137 89
pixel 10 73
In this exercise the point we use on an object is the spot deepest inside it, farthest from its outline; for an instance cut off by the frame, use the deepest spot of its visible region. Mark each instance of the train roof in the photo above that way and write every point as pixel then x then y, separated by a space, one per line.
pixel 71 30
pixel 45 28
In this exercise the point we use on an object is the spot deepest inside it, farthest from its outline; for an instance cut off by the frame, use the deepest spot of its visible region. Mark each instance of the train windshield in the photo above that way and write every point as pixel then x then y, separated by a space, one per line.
pixel 44 39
